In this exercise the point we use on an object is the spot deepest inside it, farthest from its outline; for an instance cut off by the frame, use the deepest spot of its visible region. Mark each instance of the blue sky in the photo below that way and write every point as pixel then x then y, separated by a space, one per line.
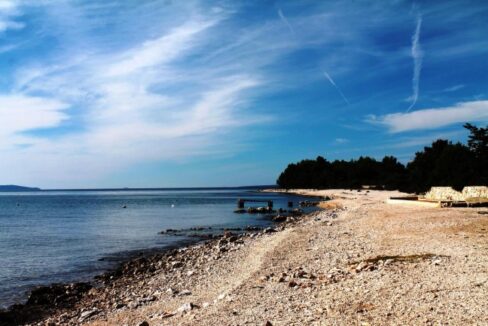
pixel 221 93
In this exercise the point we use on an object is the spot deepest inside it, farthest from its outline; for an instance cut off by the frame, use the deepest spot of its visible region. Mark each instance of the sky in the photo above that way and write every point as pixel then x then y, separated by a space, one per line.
pixel 162 93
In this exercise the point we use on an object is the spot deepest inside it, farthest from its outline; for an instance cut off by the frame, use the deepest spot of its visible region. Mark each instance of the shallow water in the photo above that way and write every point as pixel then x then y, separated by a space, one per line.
pixel 64 236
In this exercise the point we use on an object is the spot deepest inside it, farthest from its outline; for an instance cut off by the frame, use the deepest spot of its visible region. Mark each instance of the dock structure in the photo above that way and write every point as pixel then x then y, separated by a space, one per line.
pixel 241 202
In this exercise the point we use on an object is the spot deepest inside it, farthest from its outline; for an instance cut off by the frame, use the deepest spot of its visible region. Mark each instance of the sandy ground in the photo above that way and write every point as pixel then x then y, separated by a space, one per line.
pixel 358 262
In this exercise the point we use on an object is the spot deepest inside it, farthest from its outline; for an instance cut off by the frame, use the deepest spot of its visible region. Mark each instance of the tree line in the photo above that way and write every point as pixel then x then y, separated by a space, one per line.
pixel 441 164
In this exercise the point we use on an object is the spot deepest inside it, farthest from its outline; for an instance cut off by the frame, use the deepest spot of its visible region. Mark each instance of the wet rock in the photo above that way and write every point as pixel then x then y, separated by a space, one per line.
pixel 252 228
pixel 308 203
pixel 269 230
pixel 58 294
pixel 279 218
pixel 169 231
pixel 296 212
pixel 260 210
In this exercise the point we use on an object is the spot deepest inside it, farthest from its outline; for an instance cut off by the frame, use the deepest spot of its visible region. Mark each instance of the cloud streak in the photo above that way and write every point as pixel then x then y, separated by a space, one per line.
pixel 473 111
pixel 327 76
pixel 285 20
pixel 417 56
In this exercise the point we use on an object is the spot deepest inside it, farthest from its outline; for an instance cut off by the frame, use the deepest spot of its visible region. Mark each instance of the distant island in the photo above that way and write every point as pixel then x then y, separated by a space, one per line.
pixel 17 188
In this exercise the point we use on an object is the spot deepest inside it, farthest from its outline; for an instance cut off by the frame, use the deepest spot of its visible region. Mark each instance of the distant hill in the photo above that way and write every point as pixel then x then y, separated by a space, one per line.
pixel 17 188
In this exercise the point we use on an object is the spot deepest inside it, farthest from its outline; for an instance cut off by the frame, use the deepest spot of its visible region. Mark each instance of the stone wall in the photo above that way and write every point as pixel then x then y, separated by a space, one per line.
pixel 447 193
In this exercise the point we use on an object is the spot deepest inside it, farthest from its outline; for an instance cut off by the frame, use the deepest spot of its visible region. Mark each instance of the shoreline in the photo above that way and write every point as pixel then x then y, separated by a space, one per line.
pixel 46 301
pixel 360 261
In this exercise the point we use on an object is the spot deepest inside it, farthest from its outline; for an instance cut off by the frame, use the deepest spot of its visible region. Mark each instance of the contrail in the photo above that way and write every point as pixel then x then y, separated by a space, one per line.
pixel 283 18
pixel 417 63
pixel 336 87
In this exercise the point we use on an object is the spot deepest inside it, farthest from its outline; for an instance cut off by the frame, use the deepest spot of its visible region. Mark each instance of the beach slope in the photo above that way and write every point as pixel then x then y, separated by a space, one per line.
pixel 359 261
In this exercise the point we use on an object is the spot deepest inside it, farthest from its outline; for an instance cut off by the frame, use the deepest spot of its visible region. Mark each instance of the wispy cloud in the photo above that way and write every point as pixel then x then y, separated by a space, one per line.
pixel 285 20
pixel 122 109
pixel 433 118
pixel 453 88
pixel 20 113
pixel 158 51
pixel 417 55
pixel 341 140
pixel 335 86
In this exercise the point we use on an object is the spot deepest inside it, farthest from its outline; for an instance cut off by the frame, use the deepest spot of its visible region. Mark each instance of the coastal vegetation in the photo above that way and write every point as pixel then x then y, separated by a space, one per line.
pixel 443 163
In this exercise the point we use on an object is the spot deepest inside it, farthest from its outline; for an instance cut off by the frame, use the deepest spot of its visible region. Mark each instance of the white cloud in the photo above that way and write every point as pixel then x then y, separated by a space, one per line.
pixel 433 118
pixel 417 63
pixel 19 113
pixel 159 51
pixel 9 11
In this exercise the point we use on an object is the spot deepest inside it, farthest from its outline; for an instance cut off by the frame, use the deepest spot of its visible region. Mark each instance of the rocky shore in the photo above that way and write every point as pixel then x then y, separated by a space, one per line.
pixel 357 262
pixel 128 286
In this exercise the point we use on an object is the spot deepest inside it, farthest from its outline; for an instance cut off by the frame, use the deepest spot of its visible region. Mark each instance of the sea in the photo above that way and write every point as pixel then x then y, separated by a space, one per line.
pixel 66 236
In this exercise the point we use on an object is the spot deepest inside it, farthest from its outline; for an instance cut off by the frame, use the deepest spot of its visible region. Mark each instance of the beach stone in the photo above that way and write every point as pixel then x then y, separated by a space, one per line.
pixel 119 305
pixel 87 314
pixel 186 307
pixel 185 292
pixel 292 284
pixel 362 265
pixel 133 305
pixel 147 299
pixel 171 291
pixel 143 323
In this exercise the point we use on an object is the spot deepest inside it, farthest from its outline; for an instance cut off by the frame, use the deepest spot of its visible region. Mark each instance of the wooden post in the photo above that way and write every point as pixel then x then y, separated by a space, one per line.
pixel 240 203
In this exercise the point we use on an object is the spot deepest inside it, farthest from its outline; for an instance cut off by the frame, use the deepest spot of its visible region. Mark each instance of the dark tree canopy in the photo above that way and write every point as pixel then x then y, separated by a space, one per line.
pixel 441 164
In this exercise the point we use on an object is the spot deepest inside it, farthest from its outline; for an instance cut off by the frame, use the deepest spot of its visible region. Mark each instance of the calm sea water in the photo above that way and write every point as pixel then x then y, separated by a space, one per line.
pixel 64 236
